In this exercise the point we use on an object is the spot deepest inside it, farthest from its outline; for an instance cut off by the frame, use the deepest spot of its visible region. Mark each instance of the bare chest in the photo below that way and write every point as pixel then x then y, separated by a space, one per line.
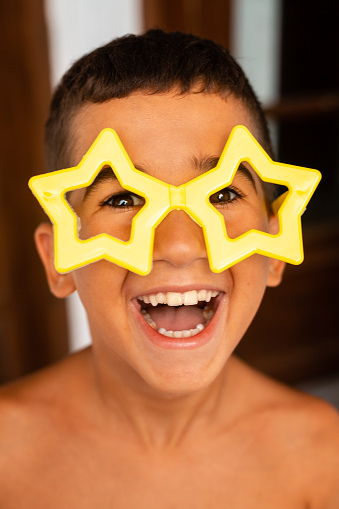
pixel 118 477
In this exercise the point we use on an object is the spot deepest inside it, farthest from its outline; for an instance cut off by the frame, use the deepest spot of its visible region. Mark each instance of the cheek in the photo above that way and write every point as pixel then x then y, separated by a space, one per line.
pixel 101 289
pixel 243 219
pixel 249 284
pixel 118 227
pixel 99 285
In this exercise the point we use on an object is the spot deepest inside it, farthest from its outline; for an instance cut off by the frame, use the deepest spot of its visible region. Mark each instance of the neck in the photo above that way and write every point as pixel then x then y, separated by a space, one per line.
pixel 155 419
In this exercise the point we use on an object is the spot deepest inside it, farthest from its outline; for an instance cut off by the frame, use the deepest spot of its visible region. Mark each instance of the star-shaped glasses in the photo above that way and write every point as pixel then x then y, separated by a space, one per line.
pixel 71 252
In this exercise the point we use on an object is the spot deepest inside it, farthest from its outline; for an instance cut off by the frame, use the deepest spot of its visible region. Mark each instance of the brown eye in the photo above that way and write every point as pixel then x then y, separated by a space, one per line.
pixel 124 200
pixel 223 196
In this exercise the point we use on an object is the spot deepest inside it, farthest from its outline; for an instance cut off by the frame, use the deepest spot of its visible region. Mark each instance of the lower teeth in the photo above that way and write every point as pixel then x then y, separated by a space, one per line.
pixel 181 333
pixel 207 314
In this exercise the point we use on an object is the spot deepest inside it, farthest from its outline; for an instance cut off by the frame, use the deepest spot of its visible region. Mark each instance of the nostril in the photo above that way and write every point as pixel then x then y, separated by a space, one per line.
pixel 179 240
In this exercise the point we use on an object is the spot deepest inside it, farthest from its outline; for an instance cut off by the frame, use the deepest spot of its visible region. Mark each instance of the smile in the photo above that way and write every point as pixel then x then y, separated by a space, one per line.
pixel 179 315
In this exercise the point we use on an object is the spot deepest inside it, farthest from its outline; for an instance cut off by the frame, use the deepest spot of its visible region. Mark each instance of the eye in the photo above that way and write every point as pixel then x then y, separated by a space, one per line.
pixel 124 200
pixel 225 196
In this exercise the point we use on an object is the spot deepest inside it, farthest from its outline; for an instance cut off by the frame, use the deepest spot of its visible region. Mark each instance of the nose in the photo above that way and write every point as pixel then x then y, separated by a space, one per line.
pixel 179 240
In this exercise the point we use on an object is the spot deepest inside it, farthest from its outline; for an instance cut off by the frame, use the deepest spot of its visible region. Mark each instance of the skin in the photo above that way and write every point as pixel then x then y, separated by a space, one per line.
pixel 130 423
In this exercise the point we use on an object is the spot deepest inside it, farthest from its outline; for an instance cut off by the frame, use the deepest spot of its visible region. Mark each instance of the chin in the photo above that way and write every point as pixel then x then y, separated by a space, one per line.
pixel 177 378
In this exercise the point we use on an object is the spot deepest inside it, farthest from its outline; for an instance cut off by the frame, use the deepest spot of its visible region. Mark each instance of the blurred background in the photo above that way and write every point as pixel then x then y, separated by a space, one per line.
pixel 289 51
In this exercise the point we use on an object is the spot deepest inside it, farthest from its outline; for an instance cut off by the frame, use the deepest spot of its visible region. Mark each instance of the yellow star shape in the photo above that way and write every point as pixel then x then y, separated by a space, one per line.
pixel 70 252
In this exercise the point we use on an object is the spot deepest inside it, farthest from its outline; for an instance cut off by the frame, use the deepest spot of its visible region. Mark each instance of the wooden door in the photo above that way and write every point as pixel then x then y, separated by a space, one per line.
pixel 32 322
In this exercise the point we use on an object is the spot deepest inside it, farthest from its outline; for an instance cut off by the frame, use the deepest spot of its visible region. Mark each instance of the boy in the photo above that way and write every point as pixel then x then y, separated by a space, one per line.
pixel 143 419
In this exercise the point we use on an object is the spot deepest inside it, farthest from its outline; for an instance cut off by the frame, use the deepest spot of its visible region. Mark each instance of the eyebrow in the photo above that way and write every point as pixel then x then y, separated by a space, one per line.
pixel 245 172
pixel 202 165
pixel 211 162
pixel 105 174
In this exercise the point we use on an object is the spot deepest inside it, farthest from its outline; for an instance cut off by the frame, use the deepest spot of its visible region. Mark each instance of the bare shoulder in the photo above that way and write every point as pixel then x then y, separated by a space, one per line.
pixel 32 408
pixel 22 403
pixel 312 426
pixel 317 423
pixel 302 432
pixel 24 422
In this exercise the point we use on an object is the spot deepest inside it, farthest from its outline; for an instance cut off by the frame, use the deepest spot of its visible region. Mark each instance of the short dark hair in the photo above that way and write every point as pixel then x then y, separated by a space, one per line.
pixel 154 62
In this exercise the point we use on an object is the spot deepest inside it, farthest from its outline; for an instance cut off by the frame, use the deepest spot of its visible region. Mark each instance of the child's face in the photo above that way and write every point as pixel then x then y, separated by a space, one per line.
pixel 172 138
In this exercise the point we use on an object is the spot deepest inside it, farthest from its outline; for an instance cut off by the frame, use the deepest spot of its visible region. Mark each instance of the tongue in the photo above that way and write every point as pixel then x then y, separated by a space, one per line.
pixel 176 318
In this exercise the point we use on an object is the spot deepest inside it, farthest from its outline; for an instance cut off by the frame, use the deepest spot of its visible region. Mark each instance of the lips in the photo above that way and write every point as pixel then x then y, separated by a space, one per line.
pixel 179 315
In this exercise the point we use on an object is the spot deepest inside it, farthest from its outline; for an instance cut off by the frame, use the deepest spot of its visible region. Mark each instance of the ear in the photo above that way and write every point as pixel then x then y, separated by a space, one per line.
pixel 61 285
pixel 277 267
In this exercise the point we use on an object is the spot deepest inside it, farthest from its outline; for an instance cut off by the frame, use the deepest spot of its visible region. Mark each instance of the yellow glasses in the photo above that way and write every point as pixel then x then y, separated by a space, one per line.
pixel 71 252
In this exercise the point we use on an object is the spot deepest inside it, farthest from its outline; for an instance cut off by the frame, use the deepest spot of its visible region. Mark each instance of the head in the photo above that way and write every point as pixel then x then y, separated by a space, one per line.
pixel 173 100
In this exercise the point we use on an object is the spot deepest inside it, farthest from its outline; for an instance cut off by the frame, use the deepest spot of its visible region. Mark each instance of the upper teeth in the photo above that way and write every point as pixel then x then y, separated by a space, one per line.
pixel 178 299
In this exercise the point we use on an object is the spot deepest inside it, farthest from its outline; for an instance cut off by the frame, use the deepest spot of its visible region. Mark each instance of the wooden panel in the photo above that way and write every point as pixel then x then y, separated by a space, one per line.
pixel 32 322
pixel 296 108
pixel 210 19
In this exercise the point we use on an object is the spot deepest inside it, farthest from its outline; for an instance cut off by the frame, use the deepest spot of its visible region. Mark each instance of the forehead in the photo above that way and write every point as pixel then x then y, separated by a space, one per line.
pixel 161 129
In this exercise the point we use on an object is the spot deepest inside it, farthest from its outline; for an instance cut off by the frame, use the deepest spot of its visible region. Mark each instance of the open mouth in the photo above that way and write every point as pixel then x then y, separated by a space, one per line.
pixel 179 315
